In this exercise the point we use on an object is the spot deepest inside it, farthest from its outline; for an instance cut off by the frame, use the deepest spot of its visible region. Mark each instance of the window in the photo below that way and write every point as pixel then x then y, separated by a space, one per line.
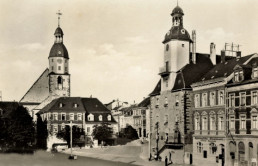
pixel 52 68
pixel 75 105
pixel 183 45
pixel 220 120
pixel 88 129
pixel 241 76
pixel 71 116
pixel 204 121
pixel 66 69
pixel 242 122
pixel 199 147
pixel 62 126
pixel 213 148
pixel 232 122
pixel 63 116
pixel 52 60
pixel 157 102
pixel 197 121
pixel 90 117
pixel 221 97
pixel 255 72
pixel 59 67
pixel 166 102
pixel 204 99
pixel 167 47
pixel 79 116
pixel 109 117
pixel 65 61
pixel 55 128
pixel 60 105
pixel 231 100
pixel 177 100
pixel 254 97
pixel 55 116
pixel 242 98
pixel 197 100
pixel 100 117
pixel 166 120
pixel 254 122
pixel 212 121
pixel 236 76
pixel 167 66
pixel 212 98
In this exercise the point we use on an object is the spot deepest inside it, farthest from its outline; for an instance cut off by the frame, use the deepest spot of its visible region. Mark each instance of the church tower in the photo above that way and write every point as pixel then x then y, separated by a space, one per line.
pixel 177 44
pixel 59 77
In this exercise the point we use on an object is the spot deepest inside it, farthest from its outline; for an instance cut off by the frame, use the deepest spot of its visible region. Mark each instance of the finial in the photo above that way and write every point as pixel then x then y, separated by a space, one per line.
pixel 59 14
pixel 177 2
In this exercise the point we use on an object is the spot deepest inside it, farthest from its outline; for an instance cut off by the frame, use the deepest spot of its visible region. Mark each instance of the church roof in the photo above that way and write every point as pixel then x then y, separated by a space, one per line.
pixel 59 31
pixel 58 50
pixel 178 33
pixel 177 10
pixel 39 91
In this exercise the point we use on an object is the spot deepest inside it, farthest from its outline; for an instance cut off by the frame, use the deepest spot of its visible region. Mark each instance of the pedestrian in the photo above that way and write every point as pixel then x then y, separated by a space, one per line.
pixel 170 157
pixel 166 161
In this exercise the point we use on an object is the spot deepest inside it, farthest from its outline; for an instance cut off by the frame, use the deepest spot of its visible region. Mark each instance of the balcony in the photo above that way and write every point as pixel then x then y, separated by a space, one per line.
pixel 164 71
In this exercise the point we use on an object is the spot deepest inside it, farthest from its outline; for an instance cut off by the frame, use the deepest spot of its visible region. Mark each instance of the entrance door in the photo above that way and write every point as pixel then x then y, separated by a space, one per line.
pixel 241 155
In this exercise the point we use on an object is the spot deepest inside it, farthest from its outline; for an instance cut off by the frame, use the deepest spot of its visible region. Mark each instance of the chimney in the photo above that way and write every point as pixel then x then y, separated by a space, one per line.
pixel 238 55
pixel 213 53
pixel 194 47
pixel 223 54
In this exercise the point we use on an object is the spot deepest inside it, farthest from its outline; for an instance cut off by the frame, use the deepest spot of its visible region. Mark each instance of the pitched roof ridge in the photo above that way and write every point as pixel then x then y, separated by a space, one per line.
pixel 34 83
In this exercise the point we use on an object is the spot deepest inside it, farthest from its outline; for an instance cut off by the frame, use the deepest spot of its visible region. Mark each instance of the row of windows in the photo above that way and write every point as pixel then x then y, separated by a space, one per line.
pixel 59 68
pixel 242 122
pixel 201 122
pixel 166 101
pixel 100 118
pixel 54 116
pixel 242 99
pixel 59 59
pixel 75 105
pixel 201 100
pixel 212 148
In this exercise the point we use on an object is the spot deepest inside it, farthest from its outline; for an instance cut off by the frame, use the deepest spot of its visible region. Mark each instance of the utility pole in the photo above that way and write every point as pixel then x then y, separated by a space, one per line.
pixel 71 124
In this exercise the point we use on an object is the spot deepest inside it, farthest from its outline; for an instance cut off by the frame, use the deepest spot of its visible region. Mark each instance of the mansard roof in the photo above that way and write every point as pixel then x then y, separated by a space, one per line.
pixel 156 90
pixel 224 69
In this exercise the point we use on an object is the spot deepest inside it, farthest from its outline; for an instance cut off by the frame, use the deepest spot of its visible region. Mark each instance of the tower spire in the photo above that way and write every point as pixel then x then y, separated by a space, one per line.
pixel 59 14
pixel 176 2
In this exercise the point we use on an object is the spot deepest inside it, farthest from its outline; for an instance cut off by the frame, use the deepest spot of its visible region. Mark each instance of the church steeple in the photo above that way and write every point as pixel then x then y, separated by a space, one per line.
pixel 177 16
pixel 59 77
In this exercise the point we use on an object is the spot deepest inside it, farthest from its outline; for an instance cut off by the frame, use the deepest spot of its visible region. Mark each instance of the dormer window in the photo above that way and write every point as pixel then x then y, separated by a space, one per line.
pixel 109 117
pixel 75 105
pixel 90 117
pixel 255 72
pixel 100 117
pixel 60 105
pixel 238 76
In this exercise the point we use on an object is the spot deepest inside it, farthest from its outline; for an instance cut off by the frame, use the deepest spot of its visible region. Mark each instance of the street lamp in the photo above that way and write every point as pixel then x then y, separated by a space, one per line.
pixel 71 124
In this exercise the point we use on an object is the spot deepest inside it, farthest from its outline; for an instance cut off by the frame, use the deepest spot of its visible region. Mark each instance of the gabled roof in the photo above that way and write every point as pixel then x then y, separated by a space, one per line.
pixel 145 102
pixel 224 69
pixel 93 105
pixel 39 91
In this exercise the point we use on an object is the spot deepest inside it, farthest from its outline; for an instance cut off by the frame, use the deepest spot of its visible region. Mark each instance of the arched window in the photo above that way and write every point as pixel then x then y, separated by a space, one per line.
pixel 221 120
pixel 204 121
pixel 60 82
pixel 197 121
pixel 212 121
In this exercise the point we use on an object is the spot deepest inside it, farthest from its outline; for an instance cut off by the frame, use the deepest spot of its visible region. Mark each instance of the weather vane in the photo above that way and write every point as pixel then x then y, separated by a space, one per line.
pixel 59 14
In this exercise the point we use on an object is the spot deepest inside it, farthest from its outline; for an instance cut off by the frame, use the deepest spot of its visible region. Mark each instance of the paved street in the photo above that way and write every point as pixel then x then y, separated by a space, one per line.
pixel 131 153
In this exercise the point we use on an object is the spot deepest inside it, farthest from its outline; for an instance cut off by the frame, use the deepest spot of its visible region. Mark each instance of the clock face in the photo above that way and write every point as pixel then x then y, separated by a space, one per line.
pixel 59 60
pixel 182 31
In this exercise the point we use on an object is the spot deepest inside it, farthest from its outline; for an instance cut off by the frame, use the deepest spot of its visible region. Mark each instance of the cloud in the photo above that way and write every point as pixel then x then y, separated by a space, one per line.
pixel 136 40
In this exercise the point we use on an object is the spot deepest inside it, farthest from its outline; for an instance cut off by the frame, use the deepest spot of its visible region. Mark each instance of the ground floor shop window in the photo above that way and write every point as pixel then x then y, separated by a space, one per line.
pixel 213 148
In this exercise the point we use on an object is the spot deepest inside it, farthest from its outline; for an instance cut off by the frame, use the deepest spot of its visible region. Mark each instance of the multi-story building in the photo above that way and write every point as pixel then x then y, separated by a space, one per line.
pixel 83 112
pixel 171 99
pixel 209 111
pixel 241 113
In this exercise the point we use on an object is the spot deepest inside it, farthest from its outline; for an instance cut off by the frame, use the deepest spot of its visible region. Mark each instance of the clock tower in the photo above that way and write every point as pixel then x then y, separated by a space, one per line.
pixel 59 77
pixel 177 44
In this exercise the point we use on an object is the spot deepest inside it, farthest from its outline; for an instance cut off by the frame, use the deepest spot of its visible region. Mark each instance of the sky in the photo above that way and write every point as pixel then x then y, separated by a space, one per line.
pixel 115 46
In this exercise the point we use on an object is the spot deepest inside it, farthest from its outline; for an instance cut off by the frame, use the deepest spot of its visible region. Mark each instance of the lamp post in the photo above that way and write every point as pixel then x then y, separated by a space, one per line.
pixel 71 124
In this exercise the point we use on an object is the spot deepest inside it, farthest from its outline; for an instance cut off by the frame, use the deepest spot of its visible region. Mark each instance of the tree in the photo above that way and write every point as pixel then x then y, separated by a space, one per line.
pixel 42 133
pixel 65 134
pixel 130 132
pixel 102 132
pixel 20 130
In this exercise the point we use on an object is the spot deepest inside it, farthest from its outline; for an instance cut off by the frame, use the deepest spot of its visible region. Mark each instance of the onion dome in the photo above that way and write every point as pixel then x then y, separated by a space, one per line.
pixel 58 50
pixel 177 10
pixel 178 33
